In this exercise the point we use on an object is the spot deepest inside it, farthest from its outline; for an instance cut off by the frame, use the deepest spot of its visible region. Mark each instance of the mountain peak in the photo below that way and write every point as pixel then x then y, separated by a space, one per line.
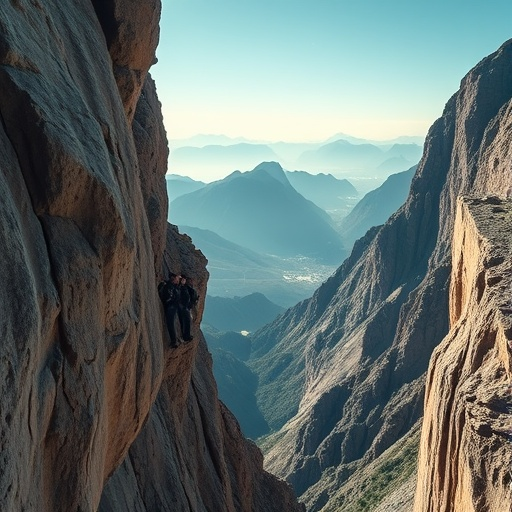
pixel 274 170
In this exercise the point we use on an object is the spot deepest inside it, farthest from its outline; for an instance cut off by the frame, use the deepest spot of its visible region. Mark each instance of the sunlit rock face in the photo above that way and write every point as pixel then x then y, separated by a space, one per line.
pixel 191 454
pixel 83 352
pixel 466 447
pixel 342 376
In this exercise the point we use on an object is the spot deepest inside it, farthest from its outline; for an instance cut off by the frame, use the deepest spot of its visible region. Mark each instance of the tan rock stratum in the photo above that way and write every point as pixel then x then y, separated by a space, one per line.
pixel 84 357
pixel 466 444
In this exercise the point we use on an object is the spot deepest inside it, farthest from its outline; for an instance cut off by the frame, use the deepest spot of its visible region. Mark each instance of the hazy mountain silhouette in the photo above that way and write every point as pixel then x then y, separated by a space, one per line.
pixel 324 190
pixel 263 212
pixel 217 154
pixel 377 206
pixel 410 152
pixel 342 155
pixel 400 157
pixel 393 165
pixel 217 158
pixel 181 185
pixel 240 313
pixel 403 139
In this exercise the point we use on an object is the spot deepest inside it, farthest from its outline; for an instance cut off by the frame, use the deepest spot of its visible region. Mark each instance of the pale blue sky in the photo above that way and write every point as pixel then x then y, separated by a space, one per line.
pixel 304 70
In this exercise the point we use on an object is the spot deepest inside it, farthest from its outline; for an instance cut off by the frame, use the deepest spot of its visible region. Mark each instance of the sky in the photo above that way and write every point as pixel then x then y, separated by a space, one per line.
pixel 304 70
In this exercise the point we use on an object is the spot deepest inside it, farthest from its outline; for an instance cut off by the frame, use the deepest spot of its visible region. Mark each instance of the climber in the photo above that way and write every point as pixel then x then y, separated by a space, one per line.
pixel 170 294
pixel 188 299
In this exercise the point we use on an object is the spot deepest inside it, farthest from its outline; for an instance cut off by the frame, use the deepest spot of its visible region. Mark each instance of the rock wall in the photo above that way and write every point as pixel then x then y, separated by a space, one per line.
pixel 84 362
pixel 342 375
pixel 191 454
pixel 466 450
pixel 81 355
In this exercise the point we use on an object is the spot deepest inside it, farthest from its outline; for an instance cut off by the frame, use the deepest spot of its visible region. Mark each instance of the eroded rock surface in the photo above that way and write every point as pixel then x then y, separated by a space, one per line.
pixel 84 352
pixel 466 449
pixel 191 454
pixel 81 353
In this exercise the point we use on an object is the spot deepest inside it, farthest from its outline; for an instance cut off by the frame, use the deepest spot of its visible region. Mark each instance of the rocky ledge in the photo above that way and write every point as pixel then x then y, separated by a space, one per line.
pixel 466 449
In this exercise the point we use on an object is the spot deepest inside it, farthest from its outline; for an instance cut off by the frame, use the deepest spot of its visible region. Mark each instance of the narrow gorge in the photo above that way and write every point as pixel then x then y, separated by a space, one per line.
pixel 402 355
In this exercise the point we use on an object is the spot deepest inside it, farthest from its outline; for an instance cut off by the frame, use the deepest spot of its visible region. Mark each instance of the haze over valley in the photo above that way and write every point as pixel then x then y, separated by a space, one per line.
pixel 365 163
pixel 277 232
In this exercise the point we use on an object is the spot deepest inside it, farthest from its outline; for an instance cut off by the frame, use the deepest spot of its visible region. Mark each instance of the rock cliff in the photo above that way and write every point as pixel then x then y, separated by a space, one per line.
pixel 84 361
pixel 466 448
pixel 342 376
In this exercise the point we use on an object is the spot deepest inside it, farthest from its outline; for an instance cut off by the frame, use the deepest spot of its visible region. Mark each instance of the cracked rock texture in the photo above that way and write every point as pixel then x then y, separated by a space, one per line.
pixel 466 449
pixel 84 362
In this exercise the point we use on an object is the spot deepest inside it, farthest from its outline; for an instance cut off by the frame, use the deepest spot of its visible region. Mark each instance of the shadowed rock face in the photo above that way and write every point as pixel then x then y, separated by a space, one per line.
pixel 466 448
pixel 83 353
pixel 362 344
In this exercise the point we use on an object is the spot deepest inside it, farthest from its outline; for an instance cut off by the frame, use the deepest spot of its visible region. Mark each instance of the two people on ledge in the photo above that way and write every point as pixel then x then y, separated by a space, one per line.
pixel 178 298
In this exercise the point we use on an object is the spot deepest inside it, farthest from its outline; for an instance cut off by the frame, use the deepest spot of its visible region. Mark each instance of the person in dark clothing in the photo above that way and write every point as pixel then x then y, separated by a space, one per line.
pixel 169 293
pixel 188 299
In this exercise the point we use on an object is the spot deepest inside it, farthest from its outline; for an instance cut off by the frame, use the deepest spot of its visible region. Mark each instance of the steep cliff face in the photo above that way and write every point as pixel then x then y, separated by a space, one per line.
pixel 83 355
pixel 362 344
pixel 191 454
pixel 466 448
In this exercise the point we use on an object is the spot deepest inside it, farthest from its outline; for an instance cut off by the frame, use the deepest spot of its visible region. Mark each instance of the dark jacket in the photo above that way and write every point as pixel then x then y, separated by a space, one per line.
pixel 169 293
pixel 188 296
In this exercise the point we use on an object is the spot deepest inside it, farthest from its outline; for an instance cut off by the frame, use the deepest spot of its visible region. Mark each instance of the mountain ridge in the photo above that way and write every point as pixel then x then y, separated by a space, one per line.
pixel 288 225
pixel 359 348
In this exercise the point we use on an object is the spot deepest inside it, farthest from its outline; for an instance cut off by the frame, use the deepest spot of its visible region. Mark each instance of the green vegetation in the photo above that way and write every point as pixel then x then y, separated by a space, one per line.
pixel 390 471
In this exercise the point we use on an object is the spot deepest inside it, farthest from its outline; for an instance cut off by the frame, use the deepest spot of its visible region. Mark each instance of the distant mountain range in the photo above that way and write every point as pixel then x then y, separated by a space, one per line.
pixel 220 158
pixel 201 140
pixel 403 139
pixel 342 156
pixel 261 210
pixel 324 190
pixel 220 155
pixel 181 185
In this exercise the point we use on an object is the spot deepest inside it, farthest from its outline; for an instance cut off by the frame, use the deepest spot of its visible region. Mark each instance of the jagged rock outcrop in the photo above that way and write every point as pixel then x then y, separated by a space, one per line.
pixel 466 448
pixel 359 349
pixel 131 31
pixel 191 454
pixel 83 355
